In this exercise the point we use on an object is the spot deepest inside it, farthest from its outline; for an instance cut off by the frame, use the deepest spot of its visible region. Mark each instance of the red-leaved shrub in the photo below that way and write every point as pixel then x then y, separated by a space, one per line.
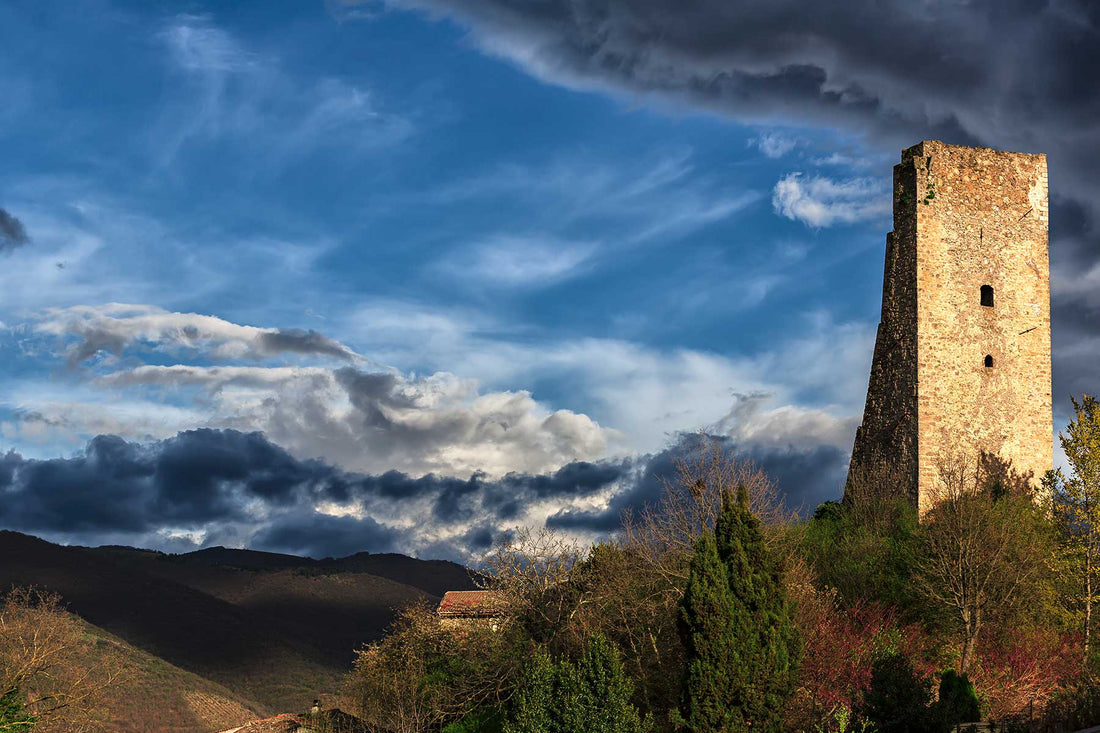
pixel 1017 668
pixel 840 644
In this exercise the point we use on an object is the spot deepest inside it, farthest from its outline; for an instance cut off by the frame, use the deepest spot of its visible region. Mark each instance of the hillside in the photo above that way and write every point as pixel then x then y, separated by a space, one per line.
pixel 153 696
pixel 275 629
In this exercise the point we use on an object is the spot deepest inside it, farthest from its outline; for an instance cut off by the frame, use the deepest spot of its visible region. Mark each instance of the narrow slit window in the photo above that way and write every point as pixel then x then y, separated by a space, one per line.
pixel 987 296
pixel 988 360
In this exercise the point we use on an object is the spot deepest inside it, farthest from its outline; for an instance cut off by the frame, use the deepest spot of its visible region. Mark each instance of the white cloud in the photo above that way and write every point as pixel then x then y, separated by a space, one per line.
pixel 775 144
pixel 370 420
pixel 645 394
pixel 197 46
pixel 821 202
pixel 755 420
pixel 111 328
pixel 380 421
pixel 634 397
pixel 519 261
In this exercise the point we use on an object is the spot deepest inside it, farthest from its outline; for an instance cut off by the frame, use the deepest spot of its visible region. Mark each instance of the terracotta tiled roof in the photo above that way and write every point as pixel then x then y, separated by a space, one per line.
pixel 469 604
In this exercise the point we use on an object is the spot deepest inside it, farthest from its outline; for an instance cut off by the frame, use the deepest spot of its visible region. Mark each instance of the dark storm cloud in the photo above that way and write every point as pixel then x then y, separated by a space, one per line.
pixel 320 536
pixel 898 68
pixel 243 489
pixel 806 475
pixel 114 485
pixel 1010 74
pixel 229 480
pixel 474 542
pixel 297 341
pixel 12 232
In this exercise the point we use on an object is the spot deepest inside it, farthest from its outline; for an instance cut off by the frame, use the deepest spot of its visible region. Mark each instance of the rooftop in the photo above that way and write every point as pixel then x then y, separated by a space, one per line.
pixel 469 604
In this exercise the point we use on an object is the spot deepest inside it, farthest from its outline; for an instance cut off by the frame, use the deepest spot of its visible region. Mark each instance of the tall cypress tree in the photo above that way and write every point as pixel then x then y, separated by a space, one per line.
pixel 742 648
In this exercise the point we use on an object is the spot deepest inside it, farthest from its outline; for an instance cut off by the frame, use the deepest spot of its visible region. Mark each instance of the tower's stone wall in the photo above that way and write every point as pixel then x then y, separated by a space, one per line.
pixel 964 218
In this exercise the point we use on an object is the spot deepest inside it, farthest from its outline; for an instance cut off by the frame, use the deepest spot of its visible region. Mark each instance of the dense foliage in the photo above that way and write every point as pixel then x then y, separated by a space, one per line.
pixel 559 696
pixel 958 702
pixel 981 608
pixel 742 649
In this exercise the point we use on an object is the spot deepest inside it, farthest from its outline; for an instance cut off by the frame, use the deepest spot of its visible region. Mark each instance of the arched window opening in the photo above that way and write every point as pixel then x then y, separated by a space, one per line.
pixel 988 360
pixel 987 296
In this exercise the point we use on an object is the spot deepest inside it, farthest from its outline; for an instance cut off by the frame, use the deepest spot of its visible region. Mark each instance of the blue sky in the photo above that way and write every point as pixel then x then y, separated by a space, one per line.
pixel 291 198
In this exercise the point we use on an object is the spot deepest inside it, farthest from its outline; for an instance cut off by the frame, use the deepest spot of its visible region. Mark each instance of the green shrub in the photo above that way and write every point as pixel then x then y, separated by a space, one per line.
pixel 864 559
pixel 958 702
pixel 898 699
pixel 593 695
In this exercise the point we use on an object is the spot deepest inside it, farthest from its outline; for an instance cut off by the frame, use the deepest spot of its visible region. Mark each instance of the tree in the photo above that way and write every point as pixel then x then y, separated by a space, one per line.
pixel 622 598
pixel 592 695
pixel 535 700
pixel 863 549
pixel 529 575
pixel 629 588
pixel 663 535
pixel 1077 499
pixel 980 550
pixel 45 683
pixel 742 648
pixel 423 676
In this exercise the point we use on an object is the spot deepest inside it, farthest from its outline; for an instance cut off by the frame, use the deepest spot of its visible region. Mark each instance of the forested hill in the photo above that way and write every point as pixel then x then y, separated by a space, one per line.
pixel 275 629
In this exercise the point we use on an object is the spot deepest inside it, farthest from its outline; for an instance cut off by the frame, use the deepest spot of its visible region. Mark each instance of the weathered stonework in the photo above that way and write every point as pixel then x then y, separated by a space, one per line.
pixel 964 218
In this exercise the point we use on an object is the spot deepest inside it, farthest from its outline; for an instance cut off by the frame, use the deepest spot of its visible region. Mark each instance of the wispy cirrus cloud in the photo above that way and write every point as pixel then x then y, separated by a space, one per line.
pixel 657 198
pixel 882 74
pixel 233 91
pixel 644 393
pixel 818 201
pixel 515 261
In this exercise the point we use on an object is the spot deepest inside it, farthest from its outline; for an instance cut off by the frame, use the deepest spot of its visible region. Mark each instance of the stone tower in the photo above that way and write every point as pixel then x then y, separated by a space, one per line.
pixel 962 357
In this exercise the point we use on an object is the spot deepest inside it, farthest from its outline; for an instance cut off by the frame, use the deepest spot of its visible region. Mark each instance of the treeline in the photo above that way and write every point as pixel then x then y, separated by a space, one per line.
pixel 718 609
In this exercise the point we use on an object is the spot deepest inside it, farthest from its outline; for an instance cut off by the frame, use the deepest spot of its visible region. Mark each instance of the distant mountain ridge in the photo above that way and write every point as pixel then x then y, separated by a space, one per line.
pixel 275 629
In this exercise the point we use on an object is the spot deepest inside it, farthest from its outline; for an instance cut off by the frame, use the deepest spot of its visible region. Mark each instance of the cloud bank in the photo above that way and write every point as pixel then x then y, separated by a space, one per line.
pixel 224 487
pixel 289 440
pixel 318 399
